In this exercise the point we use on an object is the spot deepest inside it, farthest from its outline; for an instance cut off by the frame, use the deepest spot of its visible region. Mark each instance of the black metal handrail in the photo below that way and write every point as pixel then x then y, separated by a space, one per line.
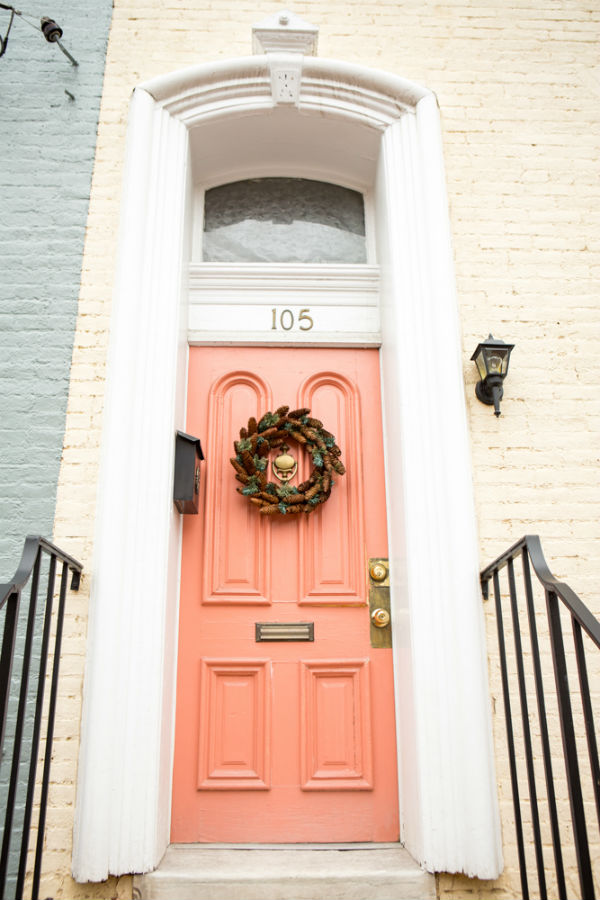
pixel 37 552
pixel 557 596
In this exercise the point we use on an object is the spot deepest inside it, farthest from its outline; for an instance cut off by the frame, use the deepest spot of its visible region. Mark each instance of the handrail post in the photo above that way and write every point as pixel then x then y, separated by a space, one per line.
pixel 510 739
pixel 541 707
pixel 21 710
pixel 7 655
pixel 533 801
pixel 565 713
pixel 37 723
pixel 588 714
pixel 49 735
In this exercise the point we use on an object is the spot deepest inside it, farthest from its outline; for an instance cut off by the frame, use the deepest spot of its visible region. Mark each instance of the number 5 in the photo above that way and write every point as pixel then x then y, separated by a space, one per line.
pixel 304 317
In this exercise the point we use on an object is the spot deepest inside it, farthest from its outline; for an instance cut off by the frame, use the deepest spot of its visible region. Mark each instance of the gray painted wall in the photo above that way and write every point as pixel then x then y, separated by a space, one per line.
pixel 47 145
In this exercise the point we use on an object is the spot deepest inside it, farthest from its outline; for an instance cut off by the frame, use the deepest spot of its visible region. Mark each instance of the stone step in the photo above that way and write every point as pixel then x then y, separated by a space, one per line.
pixel 286 872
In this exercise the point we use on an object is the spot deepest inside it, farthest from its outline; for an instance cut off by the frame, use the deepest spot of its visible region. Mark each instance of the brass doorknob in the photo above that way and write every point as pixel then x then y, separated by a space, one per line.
pixel 380 618
pixel 378 571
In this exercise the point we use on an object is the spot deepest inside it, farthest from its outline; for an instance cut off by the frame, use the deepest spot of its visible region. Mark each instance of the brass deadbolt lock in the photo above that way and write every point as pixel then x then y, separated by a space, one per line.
pixel 377 571
pixel 379 603
pixel 380 618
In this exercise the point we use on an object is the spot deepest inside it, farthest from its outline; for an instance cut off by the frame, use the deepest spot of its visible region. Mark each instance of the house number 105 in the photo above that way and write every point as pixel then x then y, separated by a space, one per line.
pixel 287 320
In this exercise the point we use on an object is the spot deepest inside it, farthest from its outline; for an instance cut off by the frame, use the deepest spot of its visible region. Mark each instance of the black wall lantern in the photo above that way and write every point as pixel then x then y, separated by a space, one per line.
pixel 186 487
pixel 491 358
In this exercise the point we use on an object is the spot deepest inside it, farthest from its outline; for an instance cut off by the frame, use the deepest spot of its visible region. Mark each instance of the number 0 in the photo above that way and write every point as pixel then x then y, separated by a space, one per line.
pixel 290 320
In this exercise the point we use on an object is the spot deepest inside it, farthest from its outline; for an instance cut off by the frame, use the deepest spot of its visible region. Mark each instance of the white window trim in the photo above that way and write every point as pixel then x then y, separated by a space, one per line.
pixel 448 801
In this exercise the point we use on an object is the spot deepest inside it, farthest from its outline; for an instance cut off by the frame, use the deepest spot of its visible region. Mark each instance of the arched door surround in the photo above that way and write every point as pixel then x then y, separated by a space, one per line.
pixel 371 131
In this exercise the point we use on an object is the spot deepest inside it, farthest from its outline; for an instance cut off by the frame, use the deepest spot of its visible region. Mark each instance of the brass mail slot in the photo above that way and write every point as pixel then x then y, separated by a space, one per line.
pixel 285 631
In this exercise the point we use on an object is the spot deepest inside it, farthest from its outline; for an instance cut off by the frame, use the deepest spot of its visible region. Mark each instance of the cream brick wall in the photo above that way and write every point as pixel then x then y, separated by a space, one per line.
pixel 518 83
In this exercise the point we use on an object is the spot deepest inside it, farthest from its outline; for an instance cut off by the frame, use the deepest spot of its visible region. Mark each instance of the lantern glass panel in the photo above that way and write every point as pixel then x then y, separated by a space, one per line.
pixel 480 362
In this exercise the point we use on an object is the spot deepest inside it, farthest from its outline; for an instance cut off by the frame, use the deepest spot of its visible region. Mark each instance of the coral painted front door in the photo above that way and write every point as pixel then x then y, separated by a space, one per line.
pixel 288 740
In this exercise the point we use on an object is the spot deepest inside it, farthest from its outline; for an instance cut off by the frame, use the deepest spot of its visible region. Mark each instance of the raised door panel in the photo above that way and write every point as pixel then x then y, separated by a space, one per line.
pixel 331 546
pixel 336 725
pixel 238 545
pixel 235 705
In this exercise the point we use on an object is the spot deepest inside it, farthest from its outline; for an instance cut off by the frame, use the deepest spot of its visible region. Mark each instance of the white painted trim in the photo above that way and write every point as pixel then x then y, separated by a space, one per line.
pixel 447 787
pixel 125 765
pixel 357 281
pixel 285 31
pixel 447 779
pixel 198 222
pixel 233 303
pixel 370 227
pixel 232 87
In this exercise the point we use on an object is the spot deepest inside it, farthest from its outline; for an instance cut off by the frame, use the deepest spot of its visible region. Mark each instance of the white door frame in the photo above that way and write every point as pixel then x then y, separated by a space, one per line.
pixel 448 802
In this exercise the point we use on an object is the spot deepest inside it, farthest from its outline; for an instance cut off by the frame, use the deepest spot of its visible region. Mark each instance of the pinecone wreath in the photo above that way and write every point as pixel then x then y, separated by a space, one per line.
pixel 272 431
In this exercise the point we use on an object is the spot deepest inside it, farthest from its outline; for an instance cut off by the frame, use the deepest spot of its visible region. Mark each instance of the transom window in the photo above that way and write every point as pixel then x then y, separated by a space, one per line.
pixel 284 220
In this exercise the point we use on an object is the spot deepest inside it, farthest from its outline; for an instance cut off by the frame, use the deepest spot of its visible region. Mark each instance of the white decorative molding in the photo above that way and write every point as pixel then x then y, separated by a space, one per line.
pixel 360 127
pixel 286 75
pixel 286 39
pixel 357 282
pixel 329 305
pixel 346 91
pixel 446 757
pixel 285 32
pixel 130 665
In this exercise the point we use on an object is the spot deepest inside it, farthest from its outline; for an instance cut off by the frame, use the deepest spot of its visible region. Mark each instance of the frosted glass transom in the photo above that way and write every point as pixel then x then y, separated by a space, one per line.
pixel 286 220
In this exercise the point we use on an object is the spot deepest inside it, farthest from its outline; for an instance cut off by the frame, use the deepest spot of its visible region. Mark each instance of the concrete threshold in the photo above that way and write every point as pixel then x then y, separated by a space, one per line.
pixel 286 872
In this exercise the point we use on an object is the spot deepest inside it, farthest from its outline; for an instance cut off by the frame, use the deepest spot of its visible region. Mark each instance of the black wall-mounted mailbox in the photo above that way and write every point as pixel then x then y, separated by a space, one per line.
pixel 186 487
